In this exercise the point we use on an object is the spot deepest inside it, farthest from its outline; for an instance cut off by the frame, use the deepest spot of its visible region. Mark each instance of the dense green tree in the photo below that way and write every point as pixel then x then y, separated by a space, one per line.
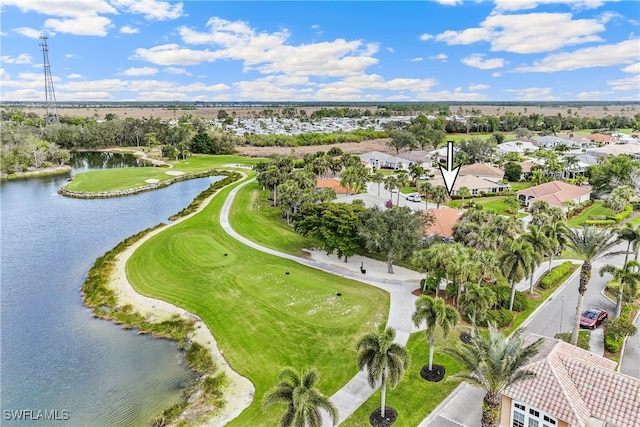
pixel 477 150
pixel 384 360
pixel 400 138
pixel 512 171
pixel 494 363
pixel 394 232
pixel 434 312
pixel 611 173
pixel 619 198
pixel 304 401
pixel 476 301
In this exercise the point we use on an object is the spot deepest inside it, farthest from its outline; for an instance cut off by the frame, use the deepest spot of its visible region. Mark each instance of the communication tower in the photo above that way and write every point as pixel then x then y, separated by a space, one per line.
pixel 49 93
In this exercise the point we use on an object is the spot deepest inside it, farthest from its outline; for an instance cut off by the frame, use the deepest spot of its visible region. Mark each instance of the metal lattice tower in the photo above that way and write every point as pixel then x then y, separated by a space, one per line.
pixel 49 93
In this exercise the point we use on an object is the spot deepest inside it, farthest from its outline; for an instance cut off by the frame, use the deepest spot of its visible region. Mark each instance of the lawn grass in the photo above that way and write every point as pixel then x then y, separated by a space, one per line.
pixel 262 318
pixel 520 185
pixel 253 217
pixel 125 178
pixel 597 208
pixel 414 398
pixel 494 204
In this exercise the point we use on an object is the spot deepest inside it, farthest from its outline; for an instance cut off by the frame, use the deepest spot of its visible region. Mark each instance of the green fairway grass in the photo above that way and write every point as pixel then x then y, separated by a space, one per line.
pixel 596 209
pixel 125 178
pixel 414 398
pixel 253 217
pixel 263 319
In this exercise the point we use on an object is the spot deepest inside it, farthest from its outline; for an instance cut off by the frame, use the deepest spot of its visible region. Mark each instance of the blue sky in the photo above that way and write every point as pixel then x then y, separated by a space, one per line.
pixel 446 50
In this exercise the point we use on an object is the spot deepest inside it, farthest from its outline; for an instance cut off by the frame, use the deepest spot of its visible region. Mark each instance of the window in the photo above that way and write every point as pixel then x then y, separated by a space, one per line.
pixel 526 416
pixel 518 419
pixel 533 423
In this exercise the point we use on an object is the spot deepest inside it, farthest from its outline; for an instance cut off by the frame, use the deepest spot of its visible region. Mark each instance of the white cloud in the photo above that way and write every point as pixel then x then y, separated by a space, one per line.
pixel 391 50
pixel 127 29
pixel 315 26
pixel 496 74
pixel 624 52
pixel 152 10
pixel 4 75
pixel 533 94
pixel 32 33
pixel 477 60
pixel 628 83
pixel 512 5
pixel 140 71
pixel 478 87
pixel 104 85
pixel 633 68
pixel 440 57
pixel 266 52
pixel 424 37
pixel 529 33
pixel 71 55
pixel 75 76
pixel 23 58
pixel 449 2
pixel 90 25
pixel 417 59
pixel 175 70
pixel 593 95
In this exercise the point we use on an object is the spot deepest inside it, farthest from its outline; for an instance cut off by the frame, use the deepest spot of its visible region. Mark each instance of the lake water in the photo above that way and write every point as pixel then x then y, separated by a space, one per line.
pixel 54 355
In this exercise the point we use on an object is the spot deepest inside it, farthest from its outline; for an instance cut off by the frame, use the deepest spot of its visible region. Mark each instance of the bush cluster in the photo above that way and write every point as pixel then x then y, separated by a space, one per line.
pixel 622 215
pixel 556 276
pixel 615 330
pixel 501 317
pixel 503 296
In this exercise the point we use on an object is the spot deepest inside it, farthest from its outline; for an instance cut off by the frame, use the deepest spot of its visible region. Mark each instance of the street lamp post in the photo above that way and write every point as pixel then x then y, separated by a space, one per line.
pixel 561 313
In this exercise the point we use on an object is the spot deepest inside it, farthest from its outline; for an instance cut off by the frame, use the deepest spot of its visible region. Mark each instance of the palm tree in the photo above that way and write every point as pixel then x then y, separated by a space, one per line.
pixel 626 277
pixel 516 264
pixel 378 178
pixel 463 192
pixel 304 401
pixel 440 195
pixel 541 245
pixel 589 245
pixel 494 363
pixel 557 232
pixel 426 189
pixel 435 313
pixel 390 183
pixel 384 360
pixel 402 180
pixel 476 301
pixel 630 234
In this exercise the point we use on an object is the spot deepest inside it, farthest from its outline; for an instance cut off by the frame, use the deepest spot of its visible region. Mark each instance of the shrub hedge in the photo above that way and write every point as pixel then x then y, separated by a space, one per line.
pixel 622 215
pixel 556 276
pixel 501 317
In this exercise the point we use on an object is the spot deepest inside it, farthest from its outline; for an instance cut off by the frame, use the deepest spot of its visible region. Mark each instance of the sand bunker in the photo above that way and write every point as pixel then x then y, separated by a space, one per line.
pixel 174 173
pixel 152 181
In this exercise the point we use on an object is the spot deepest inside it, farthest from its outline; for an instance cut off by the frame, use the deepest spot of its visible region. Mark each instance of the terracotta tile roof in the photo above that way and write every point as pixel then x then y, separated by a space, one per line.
pixel 469 181
pixel 526 166
pixel 599 137
pixel 443 221
pixel 331 183
pixel 555 192
pixel 481 169
pixel 575 385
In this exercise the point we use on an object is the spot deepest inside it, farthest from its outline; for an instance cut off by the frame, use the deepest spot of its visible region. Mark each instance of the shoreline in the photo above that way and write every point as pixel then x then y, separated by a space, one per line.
pixel 239 392
pixel 52 171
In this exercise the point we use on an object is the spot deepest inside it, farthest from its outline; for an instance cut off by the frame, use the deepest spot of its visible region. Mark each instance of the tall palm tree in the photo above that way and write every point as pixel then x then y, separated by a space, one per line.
pixel 541 245
pixel 383 359
pixel 476 301
pixel 378 178
pixel 558 234
pixel 463 192
pixel 435 313
pixel 626 277
pixel 516 264
pixel 630 234
pixel 494 363
pixel 426 189
pixel 440 195
pixel 390 183
pixel 304 401
pixel 589 244
pixel 402 180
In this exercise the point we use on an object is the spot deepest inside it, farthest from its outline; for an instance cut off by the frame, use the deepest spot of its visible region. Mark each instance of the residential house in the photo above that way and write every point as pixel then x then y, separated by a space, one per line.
pixel 520 146
pixel 630 149
pixel 551 141
pixel 331 183
pixel 526 168
pixel 420 157
pixel 482 170
pixel 601 138
pixel 443 221
pixel 571 387
pixel 555 193
pixel 476 185
pixel 384 161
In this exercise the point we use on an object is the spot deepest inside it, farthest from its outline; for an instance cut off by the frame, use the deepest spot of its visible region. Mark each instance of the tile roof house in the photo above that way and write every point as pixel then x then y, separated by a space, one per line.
pixel 556 193
pixel 443 221
pixel 482 170
pixel 331 183
pixel 602 138
pixel 572 387
pixel 476 185
pixel 384 161
pixel 423 158
pixel 631 149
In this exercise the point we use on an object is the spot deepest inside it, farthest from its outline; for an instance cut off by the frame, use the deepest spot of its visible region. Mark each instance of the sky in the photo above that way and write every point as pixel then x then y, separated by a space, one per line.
pixel 444 50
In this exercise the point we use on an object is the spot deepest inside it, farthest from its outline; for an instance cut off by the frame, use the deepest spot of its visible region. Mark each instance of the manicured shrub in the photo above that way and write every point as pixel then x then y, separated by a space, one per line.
pixel 622 215
pixel 503 294
pixel 520 301
pixel 612 345
pixel 599 222
pixel 556 275
pixel 502 318
pixel 615 330
pixel 452 290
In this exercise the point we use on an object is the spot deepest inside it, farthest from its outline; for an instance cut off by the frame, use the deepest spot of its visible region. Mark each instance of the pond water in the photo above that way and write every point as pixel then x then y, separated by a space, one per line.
pixel 54 355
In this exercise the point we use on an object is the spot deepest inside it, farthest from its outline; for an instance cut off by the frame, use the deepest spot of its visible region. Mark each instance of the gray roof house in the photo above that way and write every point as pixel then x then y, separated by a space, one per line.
pixel 384 161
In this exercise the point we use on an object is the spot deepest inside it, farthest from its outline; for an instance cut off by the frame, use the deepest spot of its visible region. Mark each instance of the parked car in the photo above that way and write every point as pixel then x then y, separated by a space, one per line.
pixel 489 280
pixel 395 190
pixel 593 318
pixel 414 198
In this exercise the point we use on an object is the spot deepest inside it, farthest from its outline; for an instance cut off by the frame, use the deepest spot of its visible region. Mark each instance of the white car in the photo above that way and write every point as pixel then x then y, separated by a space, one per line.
pixel 414 198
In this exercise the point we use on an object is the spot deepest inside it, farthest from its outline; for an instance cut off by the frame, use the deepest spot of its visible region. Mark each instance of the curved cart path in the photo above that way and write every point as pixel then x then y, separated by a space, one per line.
pixel 357 390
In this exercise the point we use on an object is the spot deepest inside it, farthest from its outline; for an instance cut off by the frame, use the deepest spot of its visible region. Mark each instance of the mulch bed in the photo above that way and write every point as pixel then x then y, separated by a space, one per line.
pixel 434 375
pixel 390 416
pixel 465 337
pixel 417 292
